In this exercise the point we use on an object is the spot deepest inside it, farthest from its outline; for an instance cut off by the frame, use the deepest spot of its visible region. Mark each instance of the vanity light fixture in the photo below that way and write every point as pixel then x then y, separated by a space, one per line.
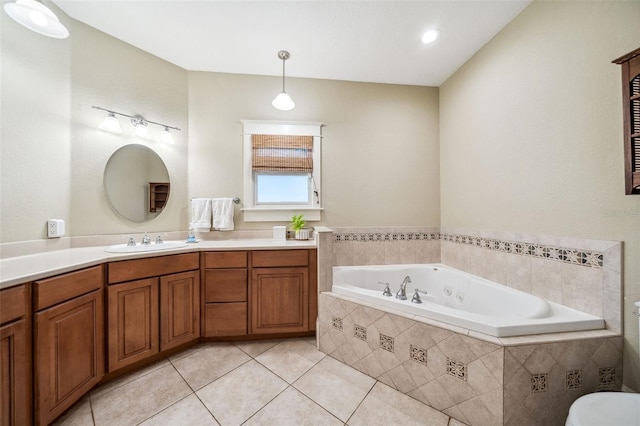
pixel 37 17
pixel 283 101
pixel 140 123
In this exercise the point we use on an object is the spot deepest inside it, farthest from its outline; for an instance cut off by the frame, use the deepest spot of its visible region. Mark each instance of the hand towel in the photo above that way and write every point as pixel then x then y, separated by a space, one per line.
pixel 201 214
pixel 222 209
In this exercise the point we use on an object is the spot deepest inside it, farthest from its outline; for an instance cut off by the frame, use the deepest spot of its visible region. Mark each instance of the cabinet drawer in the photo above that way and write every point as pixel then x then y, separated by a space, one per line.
pixel 225 285
pixel 13 303
pixel 276 258
pixel 55 290
pixel 129 270
pixel 225 319
pixel 225 259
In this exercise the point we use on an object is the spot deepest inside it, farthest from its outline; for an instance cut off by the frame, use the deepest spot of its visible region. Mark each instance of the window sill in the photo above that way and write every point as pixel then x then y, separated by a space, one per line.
pixel 278 214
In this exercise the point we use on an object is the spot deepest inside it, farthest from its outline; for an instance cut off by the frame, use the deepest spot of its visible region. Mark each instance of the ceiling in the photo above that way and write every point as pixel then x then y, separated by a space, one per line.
pixel 369 41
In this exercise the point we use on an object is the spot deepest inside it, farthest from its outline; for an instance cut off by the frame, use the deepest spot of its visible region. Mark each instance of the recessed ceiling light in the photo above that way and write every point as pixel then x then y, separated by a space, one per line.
pixel 430 36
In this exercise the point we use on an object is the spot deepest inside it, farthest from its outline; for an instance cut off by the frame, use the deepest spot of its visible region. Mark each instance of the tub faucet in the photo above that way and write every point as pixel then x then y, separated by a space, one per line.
pixel 402 292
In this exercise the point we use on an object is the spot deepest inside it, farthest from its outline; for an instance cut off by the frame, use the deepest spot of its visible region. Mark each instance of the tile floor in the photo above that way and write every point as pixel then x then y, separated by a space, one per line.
pixel 275 382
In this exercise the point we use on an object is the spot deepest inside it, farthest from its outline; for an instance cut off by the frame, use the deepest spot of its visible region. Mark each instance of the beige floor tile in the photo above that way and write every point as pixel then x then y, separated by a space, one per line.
pixel 385 406
pixel 256 347
pixel 293 408
pixel 290 359
pixel 189 411
pixel 335 386
pixel 195 348
pixel 123 380
pixel 454 422
pixel 78 415
pixel 238 395
pixel 207 364
pixel 140 399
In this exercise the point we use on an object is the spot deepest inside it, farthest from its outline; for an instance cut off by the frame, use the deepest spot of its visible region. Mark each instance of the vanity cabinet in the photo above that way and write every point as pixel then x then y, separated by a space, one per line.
pixel 153 306
pixel 225 294
pixel 283 291
pixel 15 356
pixel 68 340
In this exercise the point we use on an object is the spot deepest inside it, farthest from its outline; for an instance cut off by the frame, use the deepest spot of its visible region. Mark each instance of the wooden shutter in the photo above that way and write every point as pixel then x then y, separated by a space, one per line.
pixel 282 153
pixel 631 110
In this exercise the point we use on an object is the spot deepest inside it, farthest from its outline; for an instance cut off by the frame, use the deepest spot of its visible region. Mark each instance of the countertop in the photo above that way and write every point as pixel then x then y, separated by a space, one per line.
pixel 22 269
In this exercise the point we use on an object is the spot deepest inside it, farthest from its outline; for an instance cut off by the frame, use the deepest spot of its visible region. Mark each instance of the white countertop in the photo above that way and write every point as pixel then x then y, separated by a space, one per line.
pixel 22 269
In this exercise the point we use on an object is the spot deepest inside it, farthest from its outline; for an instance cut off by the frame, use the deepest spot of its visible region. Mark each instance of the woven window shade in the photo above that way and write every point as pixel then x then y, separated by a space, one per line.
pixel 282 153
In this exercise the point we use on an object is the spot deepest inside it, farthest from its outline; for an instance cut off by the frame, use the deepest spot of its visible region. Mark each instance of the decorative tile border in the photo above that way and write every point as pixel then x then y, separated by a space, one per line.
pixel 607 376
pixel 336 323
pixel 560 254
pixel 457 369
pixel 539 382
pixel 386 342
pixel 573 379
pixel 360 332
pixel 419 355
pixel 386 236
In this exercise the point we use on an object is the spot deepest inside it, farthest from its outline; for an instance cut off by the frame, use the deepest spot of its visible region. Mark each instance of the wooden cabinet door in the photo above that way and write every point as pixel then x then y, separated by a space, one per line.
pixel 15 374
pixel 279 300
pixel 133 322
pixel 69 353
pixel 179 309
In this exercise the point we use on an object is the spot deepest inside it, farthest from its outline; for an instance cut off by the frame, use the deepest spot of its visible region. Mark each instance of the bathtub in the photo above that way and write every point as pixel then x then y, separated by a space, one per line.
pixel 461 299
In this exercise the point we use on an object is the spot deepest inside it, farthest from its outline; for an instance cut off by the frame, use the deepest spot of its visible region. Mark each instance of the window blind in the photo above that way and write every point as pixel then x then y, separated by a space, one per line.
pixel 282 153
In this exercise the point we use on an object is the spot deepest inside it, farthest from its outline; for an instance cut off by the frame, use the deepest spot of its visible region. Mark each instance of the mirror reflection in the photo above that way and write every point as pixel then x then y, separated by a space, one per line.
pixel 137 183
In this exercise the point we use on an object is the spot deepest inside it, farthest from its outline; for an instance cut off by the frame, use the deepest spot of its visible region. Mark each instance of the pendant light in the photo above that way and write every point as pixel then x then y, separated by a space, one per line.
pixel 283 101
pixel 37 17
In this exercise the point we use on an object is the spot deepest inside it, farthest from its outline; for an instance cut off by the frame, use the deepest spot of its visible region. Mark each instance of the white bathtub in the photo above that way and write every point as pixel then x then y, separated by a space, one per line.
pixel 461 299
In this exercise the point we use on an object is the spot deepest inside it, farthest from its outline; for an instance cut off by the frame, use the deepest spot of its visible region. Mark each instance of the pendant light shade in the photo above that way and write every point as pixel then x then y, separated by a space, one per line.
pixel 37 17
pixel 283 101
pixel 111 124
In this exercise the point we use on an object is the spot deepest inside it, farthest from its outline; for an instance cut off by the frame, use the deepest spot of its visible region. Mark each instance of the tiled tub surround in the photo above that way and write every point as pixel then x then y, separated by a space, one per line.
pixel 579 273
pixel 582 274
pixel 472 377
pixel 528 380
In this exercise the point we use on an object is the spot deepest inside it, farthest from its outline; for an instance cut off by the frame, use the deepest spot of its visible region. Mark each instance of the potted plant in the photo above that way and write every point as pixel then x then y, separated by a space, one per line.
pixel 297 224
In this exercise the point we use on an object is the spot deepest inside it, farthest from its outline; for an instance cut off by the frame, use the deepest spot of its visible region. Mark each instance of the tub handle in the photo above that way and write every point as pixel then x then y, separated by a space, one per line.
pixel 387 290
pixel 416 296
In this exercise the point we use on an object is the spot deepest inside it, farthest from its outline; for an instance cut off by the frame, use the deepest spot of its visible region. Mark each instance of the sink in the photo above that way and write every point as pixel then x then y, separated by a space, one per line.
pixel 123 248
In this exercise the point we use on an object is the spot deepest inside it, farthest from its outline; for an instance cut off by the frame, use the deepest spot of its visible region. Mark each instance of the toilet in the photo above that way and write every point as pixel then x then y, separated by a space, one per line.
pixel 606 408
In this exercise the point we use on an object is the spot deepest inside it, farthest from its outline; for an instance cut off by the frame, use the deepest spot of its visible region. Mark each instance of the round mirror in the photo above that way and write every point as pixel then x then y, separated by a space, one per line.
pixel 137 183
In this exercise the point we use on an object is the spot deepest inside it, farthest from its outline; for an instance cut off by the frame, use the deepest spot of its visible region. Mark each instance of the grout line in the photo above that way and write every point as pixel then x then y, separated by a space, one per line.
pixel 360 403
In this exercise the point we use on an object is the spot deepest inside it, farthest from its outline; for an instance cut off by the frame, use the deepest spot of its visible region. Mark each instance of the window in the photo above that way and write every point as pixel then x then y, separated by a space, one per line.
pixel 281 170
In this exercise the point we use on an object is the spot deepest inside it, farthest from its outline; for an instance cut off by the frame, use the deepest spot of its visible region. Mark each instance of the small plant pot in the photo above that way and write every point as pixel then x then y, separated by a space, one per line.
pixel 302 234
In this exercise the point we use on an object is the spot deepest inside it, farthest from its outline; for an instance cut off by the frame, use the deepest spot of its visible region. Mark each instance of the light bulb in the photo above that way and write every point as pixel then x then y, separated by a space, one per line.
pixel 38 18
pixel 430 36
pixel 283 102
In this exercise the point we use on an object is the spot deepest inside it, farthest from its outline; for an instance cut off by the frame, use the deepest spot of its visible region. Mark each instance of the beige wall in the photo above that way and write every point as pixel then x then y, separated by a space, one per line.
pixel 35 145
pixel 53 155
pixel 111 74
pixel 380 158
pixel 531 135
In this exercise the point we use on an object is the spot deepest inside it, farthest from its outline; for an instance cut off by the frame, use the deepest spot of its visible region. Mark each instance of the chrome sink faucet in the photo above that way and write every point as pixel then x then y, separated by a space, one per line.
pixel 402 292
pixel 146 240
